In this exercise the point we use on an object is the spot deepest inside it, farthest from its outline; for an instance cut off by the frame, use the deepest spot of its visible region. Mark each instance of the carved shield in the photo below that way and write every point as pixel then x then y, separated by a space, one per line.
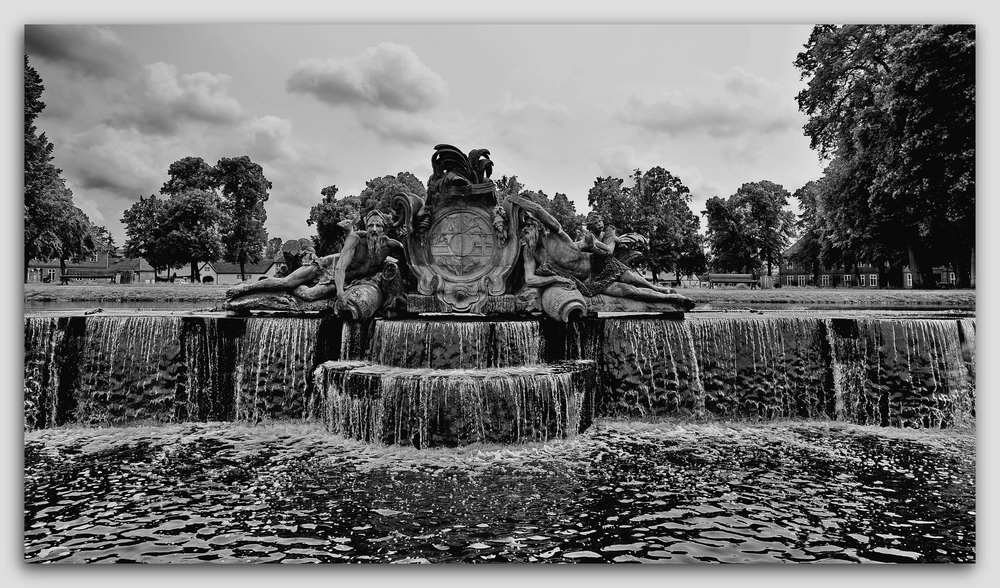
pixel 462 246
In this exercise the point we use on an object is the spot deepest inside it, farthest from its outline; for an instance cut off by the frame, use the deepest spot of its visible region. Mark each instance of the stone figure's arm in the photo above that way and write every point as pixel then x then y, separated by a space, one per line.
pixel 346 256
pixel 591 245
pixel 534 280
pixel 540 213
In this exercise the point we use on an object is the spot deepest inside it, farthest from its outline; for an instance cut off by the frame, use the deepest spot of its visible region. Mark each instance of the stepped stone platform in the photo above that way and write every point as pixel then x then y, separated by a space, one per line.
pixel 453 407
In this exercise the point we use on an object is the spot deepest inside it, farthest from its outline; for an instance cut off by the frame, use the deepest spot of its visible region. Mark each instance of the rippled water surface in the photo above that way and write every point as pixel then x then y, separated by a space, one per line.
pixel 621 492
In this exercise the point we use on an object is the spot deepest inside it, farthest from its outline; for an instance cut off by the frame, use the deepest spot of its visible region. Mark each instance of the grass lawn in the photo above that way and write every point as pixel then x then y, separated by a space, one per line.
pixel 213 293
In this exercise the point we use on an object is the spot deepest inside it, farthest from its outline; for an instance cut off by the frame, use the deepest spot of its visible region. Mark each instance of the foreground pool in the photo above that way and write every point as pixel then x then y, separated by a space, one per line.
pixel 622 492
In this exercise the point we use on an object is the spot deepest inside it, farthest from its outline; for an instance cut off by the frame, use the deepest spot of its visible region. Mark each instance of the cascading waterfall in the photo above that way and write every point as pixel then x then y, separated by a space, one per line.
pixel 914 372
pixel 901 372
pixel 111 370
pixel 129 370
pixel 274 360
pixel 747 368
pixel 42 337
pixel 456 344
pixel 453 382
pixel 428 407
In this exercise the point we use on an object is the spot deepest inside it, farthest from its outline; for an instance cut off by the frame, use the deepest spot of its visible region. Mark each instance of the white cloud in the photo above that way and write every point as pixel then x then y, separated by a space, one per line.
pixel 388 76
pixel 744 105
pixel 165 100
pixel 119 160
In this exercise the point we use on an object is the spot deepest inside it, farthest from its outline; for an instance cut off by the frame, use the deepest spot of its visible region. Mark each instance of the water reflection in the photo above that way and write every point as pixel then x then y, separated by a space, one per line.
pixel 619 493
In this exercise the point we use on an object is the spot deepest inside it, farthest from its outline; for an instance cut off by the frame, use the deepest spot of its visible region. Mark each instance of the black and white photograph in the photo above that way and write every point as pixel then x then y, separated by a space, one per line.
pixel 490 290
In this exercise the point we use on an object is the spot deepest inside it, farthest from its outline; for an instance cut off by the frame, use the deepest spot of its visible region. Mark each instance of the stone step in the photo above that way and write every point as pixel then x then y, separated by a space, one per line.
pixel 452 407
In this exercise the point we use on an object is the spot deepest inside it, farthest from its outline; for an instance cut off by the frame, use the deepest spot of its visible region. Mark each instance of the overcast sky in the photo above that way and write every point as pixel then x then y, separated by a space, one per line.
pixel 315 105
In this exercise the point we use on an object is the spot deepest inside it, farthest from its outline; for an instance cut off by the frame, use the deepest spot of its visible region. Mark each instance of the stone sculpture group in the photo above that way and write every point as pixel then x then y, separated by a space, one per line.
pixel 462 250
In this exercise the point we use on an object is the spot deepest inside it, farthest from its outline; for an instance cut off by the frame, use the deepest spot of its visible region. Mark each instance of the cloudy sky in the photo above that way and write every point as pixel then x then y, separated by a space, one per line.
pixel 557 105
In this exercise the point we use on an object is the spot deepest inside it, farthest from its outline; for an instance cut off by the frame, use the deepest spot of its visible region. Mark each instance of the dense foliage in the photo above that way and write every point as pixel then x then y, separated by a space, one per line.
pixel 751 228
pixel 893 107
pixel 657 206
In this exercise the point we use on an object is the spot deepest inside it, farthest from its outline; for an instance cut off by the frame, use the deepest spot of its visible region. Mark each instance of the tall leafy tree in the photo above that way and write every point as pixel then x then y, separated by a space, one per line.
pixel 189 230
pixel 564 211
pixel 44 191
pixel 106 241
pixel 508 186
pixel 658 207
pixel 378 192
pixel 771 223
pixel 144 222
pixel 809 253
pixel 273 248
pixel 896 105
pixel 727 243
pixel 615 203
pixel 191 173
pixel 334 218
pixel 244 192
pixel 751 228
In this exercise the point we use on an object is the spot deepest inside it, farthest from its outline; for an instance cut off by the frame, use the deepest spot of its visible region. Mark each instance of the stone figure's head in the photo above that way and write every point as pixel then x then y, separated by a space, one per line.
pixel 531 231
pixel 306 244
pixel 595 223
pixel 375 224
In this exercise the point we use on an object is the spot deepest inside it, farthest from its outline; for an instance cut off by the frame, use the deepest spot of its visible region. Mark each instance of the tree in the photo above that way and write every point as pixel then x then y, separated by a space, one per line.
pixel 564 211
pixel 378 192
pixel 751 228
pixel 771 224
pixel 809 251
pixel 56 229
pixel 189 231
pixel 508 186
pixel 77 237
pixel 615 204
pixel 273 248
pixel 106 241
pixel 662 213
pixel 191 173
pixel 44 190
pixel 244 192
pixel 728 242
pixel 143 230
pixel 896 105
pixel 334 219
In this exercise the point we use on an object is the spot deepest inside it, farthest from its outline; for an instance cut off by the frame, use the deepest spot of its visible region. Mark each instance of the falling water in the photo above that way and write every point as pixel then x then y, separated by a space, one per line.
pixel 423 407
pixel 274 360
pixel 130 370
pixel 42 336
pixel 900 372
pixel 456 344
pixel 915 372
pixel 120 369
pixel 746 368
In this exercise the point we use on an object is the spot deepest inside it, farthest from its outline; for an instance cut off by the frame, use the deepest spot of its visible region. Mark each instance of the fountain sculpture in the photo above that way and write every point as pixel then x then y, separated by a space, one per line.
pixel 484 322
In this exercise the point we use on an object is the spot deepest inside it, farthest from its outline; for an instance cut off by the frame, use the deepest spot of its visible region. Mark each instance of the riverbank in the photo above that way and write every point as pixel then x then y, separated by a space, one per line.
pixel 213 294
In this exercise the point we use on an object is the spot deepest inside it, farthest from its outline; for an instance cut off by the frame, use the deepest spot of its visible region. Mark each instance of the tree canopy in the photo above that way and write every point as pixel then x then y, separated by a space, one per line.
pixel 657 206
pixel 751 228
pixel 334 219
pixel 244 192
pixel 893 107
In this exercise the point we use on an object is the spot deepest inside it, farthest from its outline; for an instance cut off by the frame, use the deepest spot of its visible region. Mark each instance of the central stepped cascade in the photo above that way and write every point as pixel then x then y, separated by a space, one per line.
pixel 888 370
pixel 449 382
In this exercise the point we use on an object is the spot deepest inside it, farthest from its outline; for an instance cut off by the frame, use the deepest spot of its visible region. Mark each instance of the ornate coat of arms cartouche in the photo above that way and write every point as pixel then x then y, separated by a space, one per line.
pixel 461 242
